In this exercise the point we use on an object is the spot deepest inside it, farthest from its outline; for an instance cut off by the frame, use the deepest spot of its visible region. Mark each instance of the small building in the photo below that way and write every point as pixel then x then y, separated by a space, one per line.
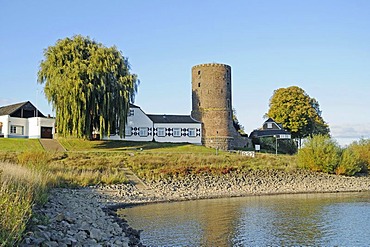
pixel 160 128
pixel 270 129
pixel 176 128
pixel 24 120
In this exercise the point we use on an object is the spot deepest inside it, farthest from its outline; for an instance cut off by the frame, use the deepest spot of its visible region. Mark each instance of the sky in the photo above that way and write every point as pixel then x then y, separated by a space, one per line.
pixel 321 46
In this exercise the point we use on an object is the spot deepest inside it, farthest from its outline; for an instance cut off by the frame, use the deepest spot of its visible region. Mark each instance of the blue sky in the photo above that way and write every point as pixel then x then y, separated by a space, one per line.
pixel 320 46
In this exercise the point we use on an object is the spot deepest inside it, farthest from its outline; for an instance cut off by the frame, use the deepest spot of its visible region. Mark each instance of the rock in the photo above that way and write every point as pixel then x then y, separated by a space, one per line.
pixel 96 234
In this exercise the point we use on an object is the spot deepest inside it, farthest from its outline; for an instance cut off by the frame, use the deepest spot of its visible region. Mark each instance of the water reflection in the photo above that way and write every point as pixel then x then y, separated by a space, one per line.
pixel 285 220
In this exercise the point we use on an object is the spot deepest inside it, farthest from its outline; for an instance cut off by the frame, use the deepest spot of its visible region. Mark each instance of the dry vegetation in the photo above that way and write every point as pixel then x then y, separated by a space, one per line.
pixel 20 189
pixel 27 171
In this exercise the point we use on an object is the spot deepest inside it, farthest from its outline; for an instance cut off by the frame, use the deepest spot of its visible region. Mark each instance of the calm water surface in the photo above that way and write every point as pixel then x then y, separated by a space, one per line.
pixel 341 219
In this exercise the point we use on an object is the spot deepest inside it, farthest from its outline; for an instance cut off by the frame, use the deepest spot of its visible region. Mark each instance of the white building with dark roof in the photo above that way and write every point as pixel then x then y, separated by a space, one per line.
pixel 24 120
pixel 160 128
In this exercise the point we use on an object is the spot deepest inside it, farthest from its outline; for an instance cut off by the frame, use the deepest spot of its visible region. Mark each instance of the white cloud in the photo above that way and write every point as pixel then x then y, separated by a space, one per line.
pixel 347 133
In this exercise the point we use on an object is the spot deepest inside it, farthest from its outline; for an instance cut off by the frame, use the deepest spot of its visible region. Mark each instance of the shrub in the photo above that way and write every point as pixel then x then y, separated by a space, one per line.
pixel 350 163
pixel 363 149
pixel 355 158
pixel 319 153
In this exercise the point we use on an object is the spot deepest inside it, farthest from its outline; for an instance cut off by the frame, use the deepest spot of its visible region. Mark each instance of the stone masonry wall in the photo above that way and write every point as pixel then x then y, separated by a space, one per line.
pixel 212 105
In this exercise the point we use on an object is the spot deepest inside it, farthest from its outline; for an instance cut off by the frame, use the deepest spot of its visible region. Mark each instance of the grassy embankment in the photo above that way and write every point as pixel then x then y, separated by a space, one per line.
pixel 151 160
pixel 27 171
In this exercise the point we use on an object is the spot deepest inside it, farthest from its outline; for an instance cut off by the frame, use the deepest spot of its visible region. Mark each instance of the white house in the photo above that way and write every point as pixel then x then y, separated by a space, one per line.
pixel 23 120
pixel 160 128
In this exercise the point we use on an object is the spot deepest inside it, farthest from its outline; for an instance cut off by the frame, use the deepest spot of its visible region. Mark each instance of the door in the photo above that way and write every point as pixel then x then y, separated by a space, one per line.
pixel 47 132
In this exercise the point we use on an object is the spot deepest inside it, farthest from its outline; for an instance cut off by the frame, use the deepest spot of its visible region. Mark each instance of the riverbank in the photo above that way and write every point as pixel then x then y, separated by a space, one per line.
pixel 233 184
pixel 88 216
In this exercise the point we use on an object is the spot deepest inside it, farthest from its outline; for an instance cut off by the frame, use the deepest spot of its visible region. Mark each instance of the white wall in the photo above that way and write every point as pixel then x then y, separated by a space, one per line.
pixel 138 120
pixel 5 129
pixel 12 121
pixel 35 124
pixel 183 138
pixel 31 126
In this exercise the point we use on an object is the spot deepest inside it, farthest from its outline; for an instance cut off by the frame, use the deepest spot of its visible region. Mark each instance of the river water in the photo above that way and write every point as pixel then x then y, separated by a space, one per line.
pixel 340 219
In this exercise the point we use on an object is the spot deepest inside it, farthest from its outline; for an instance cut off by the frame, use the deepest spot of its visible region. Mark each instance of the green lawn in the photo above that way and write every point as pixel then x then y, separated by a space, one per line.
pixel 20 145
pixel 84 145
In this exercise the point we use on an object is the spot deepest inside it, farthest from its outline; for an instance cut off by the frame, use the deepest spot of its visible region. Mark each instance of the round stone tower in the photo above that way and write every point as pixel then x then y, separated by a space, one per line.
pixel 211 104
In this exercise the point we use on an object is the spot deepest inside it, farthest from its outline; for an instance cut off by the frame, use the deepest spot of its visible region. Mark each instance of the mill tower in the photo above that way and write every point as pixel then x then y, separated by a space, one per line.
pixel 211 104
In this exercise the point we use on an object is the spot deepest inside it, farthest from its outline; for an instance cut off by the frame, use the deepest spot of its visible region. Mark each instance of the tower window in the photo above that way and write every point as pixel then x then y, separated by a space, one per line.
pixel 228 103
pixel 198 72
pixel 198 84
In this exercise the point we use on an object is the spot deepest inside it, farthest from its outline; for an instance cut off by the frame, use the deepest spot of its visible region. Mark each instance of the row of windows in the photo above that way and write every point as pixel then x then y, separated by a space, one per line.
pixel 161 132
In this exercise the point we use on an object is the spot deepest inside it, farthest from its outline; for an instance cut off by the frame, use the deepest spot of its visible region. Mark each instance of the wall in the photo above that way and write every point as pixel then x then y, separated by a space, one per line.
pixel 18 122
pixel 184 138
pixel 137 120
pixel 212 103
pixel 35 124
pixel 5 128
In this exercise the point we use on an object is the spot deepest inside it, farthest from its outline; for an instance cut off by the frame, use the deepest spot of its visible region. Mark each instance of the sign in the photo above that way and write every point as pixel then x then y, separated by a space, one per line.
pixel 284 136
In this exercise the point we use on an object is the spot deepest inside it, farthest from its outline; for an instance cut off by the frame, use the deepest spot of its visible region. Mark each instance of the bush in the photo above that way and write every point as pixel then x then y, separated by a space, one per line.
pixel 363 149
pixel 319 153
pixel 355 158
pixel 350 163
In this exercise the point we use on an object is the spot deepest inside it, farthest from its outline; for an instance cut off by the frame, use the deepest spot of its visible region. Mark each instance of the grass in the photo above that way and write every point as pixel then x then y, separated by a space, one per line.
pixel 20 189
pixel 19 145
pixel 154 166
pixel 71 144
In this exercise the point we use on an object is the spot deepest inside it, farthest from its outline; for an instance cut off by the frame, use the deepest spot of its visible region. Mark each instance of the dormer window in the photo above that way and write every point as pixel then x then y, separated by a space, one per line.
pixel 269 125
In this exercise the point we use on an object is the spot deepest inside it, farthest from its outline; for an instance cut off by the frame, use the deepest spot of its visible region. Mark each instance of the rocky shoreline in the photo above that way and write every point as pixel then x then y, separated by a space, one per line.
pixel 87 216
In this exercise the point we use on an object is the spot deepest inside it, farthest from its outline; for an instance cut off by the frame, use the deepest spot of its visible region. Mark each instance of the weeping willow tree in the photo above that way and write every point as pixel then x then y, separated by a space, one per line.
pixel 89 86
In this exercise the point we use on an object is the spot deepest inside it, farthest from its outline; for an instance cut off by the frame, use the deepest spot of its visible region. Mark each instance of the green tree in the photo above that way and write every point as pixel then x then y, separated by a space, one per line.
pixel 297 112
pixel 89 86
pixel 237 125
pixel 319 153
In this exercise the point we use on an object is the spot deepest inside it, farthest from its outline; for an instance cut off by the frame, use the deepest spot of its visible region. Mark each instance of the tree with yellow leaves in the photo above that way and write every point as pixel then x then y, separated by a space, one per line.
pixel 297 112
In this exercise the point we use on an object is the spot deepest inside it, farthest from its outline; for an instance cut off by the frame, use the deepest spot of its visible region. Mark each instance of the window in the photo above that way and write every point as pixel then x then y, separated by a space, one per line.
pixel 176 132
pixel 191 132
pixel 131 112
pixel 14 129
pixel 198 72
pixel 143 131
pixel 269 125
pixel 161 132
pixel 198 84
pixel 128 131
pixel 228 103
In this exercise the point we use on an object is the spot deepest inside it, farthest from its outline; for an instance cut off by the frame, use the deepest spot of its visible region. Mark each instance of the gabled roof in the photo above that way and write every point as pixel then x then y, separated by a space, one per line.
pixel 270 120
pixel 270 132
pixel 265 132
pixel 133 106
pixel 172 118
pixel 10 109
